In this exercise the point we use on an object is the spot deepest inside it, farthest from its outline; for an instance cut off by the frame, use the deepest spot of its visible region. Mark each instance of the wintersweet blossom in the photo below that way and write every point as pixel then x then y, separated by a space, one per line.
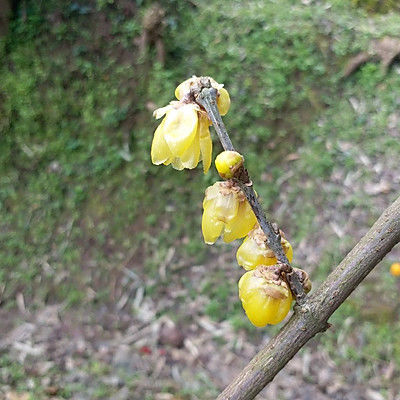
pixel 226 213
pixel 183 137
pixel 265 296
pixel 254 250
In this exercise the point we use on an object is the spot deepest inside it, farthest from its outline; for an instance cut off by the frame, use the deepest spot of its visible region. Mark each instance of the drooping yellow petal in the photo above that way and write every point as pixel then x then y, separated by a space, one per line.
pixel 169 161
pixel 242 224
pixel 160 112
pixel 223 101
pixel 211 227
pixel 226 207
pixel 249 254
pixel 211 193
pixel 159 149
pixel 205 143
pixel 177 164
pixel 191 157
pixel 180 128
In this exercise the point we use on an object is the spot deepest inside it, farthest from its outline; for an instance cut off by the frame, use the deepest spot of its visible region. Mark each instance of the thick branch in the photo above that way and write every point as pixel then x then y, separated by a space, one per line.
pixel 207 98
pixel 312 316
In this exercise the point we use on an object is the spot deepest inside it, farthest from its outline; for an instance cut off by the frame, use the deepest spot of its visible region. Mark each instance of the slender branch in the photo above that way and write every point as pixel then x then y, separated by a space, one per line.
pixel 311 317
pixel 207 97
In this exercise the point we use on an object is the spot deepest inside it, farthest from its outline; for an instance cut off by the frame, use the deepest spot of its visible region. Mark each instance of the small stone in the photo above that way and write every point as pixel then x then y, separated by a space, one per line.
pixel 171 335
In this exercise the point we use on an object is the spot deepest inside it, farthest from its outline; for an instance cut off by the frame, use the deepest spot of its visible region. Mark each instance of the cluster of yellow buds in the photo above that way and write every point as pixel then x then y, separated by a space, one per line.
pixel 263 290
pixel 182 140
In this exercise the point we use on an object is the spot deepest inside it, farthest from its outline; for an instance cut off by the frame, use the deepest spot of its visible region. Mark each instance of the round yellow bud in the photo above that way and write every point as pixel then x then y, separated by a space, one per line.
pixel 265 297
pixel 395 269
pixel 228 163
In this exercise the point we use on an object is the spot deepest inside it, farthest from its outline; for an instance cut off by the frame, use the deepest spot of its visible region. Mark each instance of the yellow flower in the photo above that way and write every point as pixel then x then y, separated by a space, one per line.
pixel 228 163
pixel 395 269
pixel 183 137
pixel 223 100
pixel 254 250
pixel 265 296
pixel 226 212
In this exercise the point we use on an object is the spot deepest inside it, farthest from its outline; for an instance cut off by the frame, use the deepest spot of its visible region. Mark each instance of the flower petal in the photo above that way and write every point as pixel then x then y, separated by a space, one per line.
pixel 191 157
pixel 210 227
pixel 223 101
pixel 177 164
pixel 180 128
pixel 169 161
pixel 205 143
pixel 242 224
pixel 261 308
pixel 249 254
pixel 226 207
pixel 160 112
pixel 211 193
pixel 159 149
pixel 184 87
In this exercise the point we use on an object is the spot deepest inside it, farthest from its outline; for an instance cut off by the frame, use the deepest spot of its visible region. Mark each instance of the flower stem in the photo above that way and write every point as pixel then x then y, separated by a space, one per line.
pixel 207 98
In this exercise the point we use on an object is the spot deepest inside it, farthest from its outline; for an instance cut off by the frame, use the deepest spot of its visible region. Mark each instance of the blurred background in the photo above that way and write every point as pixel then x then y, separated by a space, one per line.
pixel 107 290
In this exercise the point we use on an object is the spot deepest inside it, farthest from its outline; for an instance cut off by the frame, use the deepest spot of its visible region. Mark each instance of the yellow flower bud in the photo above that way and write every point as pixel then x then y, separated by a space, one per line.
pixel 183 137
pixel 265 296
pixel 254 250
pixel 228 163
pixel 395 269
pixel 226 213
pixel 223 99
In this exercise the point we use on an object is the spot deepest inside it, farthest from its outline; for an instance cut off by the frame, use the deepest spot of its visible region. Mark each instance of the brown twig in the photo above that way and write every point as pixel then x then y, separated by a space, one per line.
pixel 207 98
